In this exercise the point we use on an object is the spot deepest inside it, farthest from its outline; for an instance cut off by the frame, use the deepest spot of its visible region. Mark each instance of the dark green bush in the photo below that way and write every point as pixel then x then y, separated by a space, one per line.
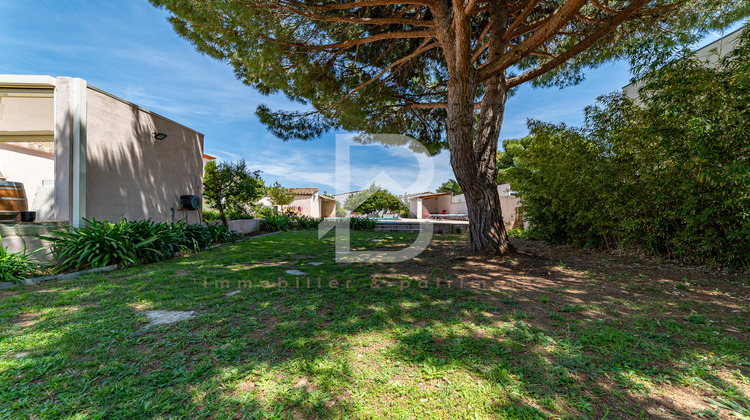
pixel 102 243
pixel 275 223
pixel 362 223
pixel 669 175
pixel 279 222
pixel 15 266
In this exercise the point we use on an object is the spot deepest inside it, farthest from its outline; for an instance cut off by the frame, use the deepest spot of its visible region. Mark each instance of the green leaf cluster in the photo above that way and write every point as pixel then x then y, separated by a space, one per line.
pixel 450 186
pixel 280 196
pixel 15 266
pixel 668 174
pixel 231 187
pixel 374 199
pixel 102 243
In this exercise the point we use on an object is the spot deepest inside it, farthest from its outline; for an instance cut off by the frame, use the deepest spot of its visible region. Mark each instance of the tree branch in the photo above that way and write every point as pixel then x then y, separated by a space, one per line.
pixel 558 19
pixel 361 3
pixel 605 29
pixel 354 42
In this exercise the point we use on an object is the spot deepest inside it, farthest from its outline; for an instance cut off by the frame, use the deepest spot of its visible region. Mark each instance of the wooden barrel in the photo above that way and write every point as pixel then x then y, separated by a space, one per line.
pixel 13 196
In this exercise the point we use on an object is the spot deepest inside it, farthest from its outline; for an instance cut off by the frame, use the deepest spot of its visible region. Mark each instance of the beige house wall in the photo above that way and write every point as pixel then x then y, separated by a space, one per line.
pixel 709 55
pixel 131 174
pixel 312 205
pixel 306 202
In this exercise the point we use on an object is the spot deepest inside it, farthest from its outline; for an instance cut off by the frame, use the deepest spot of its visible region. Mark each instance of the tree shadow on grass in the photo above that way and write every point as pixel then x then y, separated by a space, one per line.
pixel 278 350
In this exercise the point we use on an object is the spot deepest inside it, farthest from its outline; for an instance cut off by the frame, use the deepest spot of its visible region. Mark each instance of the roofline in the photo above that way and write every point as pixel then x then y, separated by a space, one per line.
pixel 27 81
pixel 705 47
pixel 709 45
pixel 350 192
pixel 430 195
pixel 140 108
pixel 47 82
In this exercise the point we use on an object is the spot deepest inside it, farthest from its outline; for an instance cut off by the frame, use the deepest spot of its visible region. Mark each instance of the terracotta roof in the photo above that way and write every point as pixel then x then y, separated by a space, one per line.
pixel 326 197
pixel 209 157
pixel 304 191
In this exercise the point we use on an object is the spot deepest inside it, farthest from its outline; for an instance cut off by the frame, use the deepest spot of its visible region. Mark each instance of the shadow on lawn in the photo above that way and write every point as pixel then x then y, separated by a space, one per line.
pixel 542 338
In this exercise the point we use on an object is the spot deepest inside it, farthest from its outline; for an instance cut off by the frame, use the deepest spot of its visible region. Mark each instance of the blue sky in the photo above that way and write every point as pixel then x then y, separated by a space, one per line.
pixel 129 49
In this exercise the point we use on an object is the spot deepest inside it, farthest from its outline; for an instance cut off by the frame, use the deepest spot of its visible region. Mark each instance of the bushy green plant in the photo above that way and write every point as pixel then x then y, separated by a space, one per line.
pixel 275 223
pixel 220 234
pixel 373 200
pixel 209 215
pixel 102 243
pixel 279 222
pixel 669 175
pixel 15 266
pixel 519 233
pixel 362 223
pixel 261 211
pixel 230 186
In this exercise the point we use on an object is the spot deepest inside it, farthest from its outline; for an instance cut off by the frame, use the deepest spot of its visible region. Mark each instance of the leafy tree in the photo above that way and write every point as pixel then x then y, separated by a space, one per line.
pixel 373 200
pixel 669 175
pixel 340 210
pixel 509 159
pixel 450 186
pixel 437 70
pixel 280 196
pixel 230 186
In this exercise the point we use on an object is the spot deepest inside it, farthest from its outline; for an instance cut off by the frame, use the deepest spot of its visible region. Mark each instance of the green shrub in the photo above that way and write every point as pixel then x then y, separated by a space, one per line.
pixel 279 222
pixel 669 175
pixel 518 233
pixel 15 266
pixel 102 243
pixel 210 215
pixel 362 223
pixel 275 223
pixel 261 211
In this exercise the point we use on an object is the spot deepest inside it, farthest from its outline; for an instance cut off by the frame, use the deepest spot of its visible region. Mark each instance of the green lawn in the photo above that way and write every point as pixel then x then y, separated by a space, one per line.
pixel 561 334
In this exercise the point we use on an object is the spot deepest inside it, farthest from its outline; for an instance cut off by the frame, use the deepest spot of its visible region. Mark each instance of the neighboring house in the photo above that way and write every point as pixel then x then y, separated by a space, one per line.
pixel 710 54
pixel 422 206
pixel 307 202
pixel 341 197
pixel 81 152
pixel 207 158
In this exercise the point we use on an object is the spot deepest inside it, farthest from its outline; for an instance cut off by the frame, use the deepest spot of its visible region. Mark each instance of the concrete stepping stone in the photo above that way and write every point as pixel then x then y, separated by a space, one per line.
pixel 295 272
pixel 316 263
pixel 168 317
pixel 232 293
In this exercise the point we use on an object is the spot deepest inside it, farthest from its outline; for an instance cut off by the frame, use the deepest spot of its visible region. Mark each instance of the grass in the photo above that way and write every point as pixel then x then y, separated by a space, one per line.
pixel 555 334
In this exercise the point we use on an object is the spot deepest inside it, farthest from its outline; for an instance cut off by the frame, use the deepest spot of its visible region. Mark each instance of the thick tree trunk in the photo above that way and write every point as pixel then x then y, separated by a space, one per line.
pixel 473 152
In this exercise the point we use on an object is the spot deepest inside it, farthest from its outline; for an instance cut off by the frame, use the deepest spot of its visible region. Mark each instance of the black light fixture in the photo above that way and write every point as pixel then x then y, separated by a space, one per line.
pixel 159 136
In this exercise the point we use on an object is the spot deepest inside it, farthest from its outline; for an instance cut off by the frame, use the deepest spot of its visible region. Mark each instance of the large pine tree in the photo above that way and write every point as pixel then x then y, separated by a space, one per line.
pixel 437 70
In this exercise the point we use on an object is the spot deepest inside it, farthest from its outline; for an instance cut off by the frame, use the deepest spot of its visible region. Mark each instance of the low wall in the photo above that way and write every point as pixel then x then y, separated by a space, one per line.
pixel 244 226
pixel 20 236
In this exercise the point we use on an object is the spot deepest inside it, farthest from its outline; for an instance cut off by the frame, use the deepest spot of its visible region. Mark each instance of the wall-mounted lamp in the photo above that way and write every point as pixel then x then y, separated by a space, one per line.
pixel 159 136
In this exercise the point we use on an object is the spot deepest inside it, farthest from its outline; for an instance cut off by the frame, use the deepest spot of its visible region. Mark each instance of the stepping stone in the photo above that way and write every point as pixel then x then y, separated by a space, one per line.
pixel 377 240
pixel 316 263
pixel 295 272
pixel 168 317
pixel 233 293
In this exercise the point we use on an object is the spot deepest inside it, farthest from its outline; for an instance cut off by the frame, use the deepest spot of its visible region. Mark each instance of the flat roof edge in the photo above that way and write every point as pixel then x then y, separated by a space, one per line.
pixel 140 108
pixel 25 80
